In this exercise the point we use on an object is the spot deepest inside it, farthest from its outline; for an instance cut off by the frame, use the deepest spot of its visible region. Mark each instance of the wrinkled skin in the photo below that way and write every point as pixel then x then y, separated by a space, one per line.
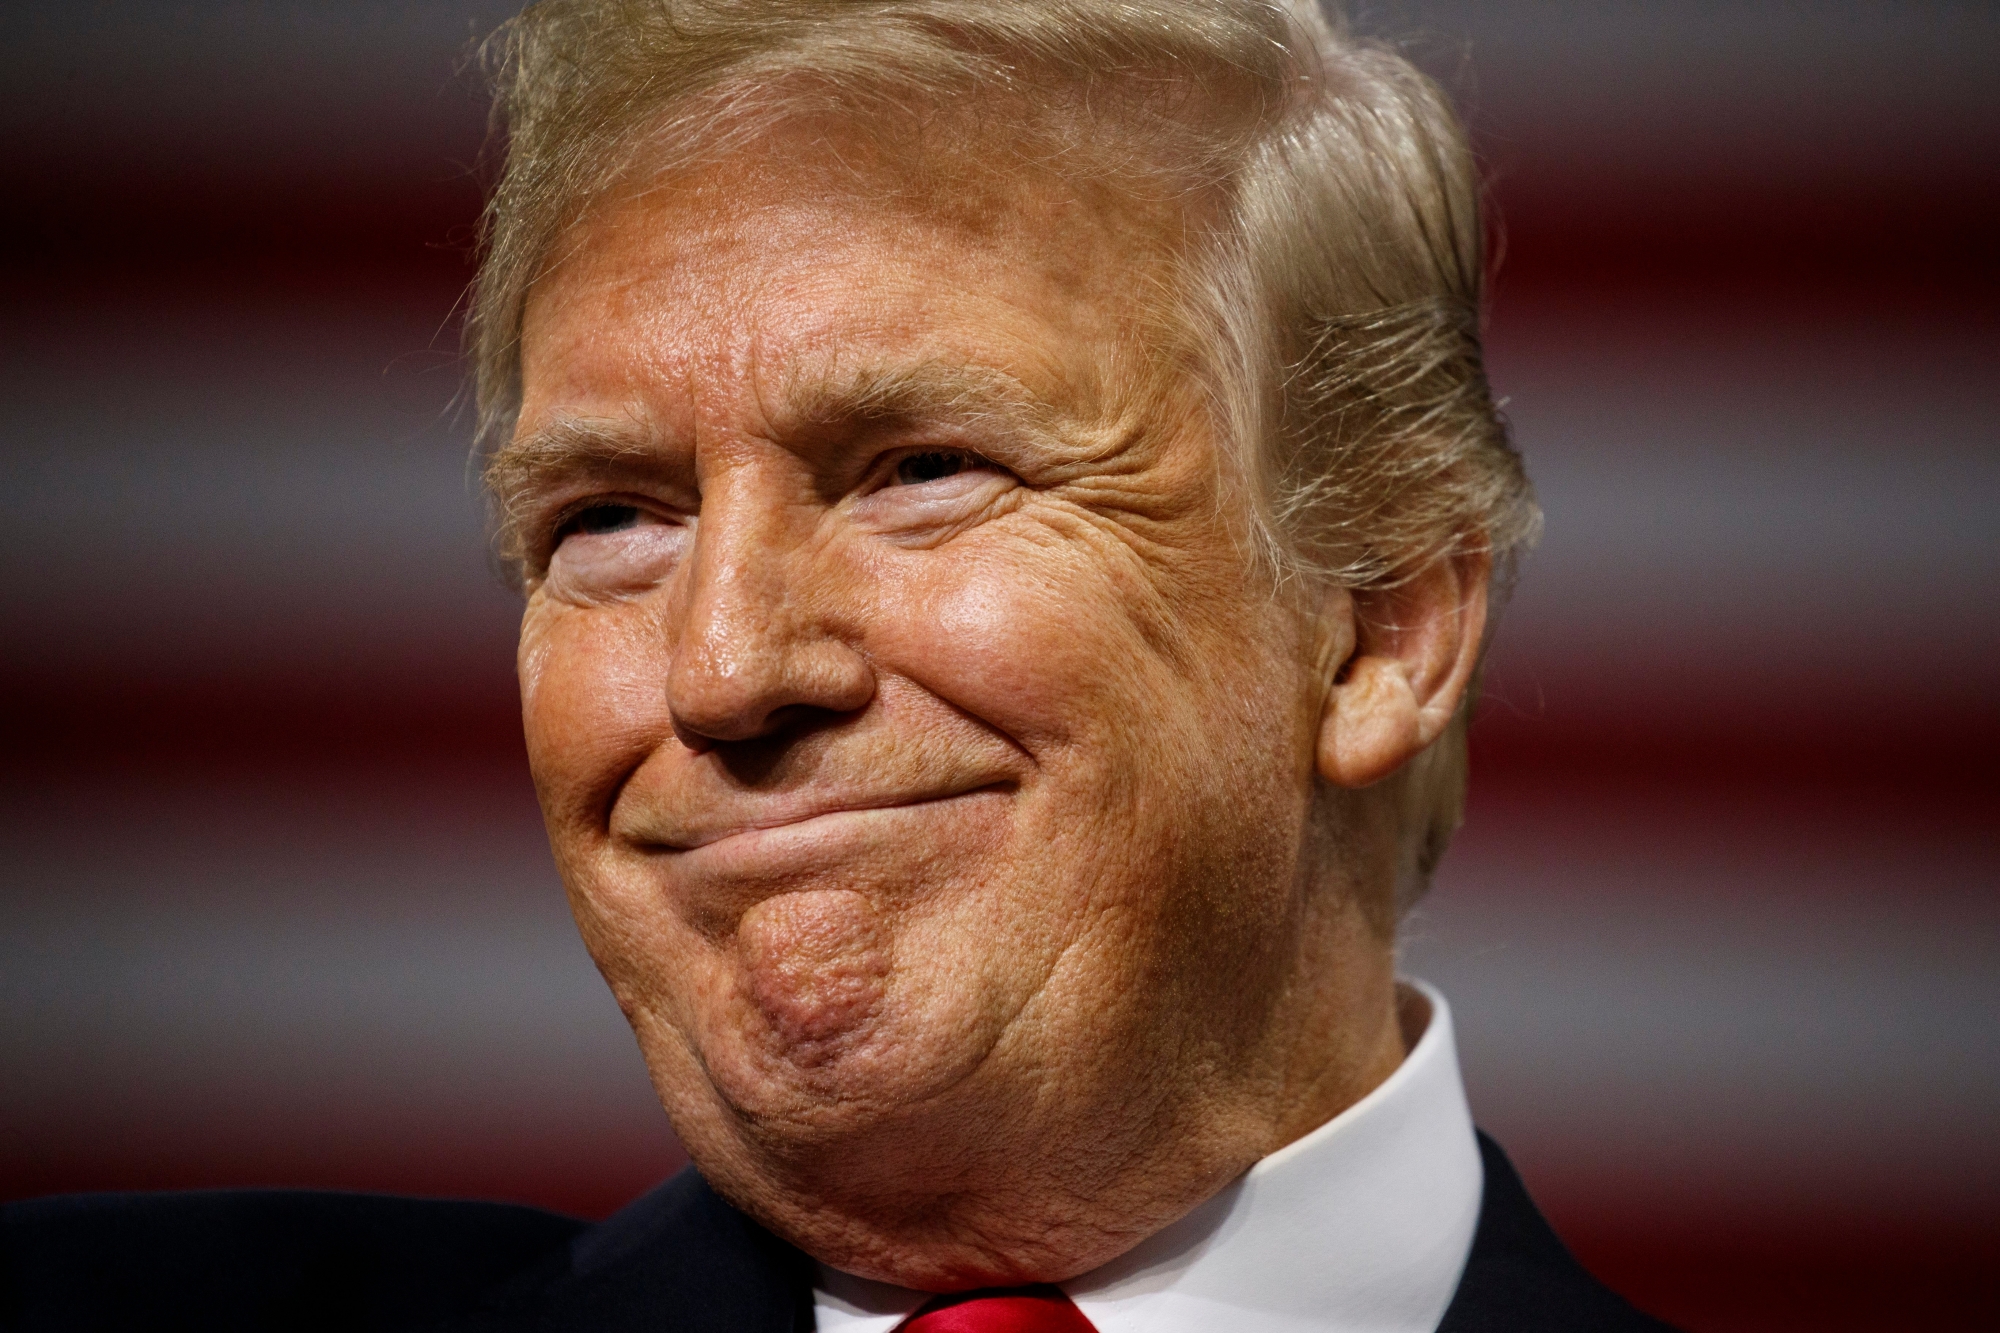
pixel 939 785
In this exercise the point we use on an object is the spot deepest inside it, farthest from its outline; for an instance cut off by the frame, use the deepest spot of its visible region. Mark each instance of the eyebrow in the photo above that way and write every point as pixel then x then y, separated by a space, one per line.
pixel 806 402
pixel 563 447
pixel 924 390
pixel 558 450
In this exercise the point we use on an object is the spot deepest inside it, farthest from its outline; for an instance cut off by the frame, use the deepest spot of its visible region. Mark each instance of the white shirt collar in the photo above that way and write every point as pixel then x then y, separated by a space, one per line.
pixel 1363 1224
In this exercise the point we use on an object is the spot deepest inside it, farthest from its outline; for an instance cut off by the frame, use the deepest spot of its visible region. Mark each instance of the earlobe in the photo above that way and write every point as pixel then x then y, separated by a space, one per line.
pixel 1371 723
pixel 1415 648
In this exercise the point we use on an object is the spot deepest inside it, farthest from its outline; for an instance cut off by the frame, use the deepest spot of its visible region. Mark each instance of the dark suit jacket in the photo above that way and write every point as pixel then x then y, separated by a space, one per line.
pixel 680 1260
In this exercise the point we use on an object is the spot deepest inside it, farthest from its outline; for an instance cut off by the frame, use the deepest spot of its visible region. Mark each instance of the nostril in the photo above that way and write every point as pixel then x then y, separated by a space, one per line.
pixel 775 728
pixel 704 720
pixel 758 689
pixel 690 739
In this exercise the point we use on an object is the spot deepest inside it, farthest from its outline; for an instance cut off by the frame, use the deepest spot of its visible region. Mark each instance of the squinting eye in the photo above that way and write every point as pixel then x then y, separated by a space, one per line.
pixel 919 468
pixel 599 518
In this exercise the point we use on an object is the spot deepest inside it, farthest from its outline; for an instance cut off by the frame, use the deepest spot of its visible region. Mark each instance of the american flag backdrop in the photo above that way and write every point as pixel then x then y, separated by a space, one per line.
pixel 1721 932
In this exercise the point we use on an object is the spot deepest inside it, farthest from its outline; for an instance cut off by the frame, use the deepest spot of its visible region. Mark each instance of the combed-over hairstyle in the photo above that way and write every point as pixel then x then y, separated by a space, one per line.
pixel 1335 298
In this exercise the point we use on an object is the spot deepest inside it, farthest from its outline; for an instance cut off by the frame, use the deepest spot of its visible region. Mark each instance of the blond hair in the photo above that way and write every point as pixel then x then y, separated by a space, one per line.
pixel 1337 298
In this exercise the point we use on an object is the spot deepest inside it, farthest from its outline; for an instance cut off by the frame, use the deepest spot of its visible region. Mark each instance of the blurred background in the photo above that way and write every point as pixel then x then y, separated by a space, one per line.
pixel 1721 931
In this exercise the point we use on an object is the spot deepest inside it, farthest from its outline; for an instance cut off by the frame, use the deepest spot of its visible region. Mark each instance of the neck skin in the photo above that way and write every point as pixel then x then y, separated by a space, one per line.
pixel 1393 1183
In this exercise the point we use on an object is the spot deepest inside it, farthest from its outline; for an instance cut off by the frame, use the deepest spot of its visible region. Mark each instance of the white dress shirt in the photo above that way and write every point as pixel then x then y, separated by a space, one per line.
pixel 1363 1224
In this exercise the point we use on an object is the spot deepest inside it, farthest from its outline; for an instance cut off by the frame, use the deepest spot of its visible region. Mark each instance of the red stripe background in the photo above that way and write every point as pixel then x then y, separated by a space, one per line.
pixel 1720 932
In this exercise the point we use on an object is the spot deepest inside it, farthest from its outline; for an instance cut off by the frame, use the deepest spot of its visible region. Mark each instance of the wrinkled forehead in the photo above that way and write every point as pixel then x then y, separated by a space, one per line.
pixel 1148 149
pixel 991 168
pixel 823 249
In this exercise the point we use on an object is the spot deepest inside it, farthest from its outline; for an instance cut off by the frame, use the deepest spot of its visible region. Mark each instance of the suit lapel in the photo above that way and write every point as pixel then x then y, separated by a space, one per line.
pixel 1520 1276
pixel 679 1260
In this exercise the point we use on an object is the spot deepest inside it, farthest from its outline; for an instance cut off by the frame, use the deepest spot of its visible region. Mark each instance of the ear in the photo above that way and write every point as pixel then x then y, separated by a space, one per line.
pixel 1412 655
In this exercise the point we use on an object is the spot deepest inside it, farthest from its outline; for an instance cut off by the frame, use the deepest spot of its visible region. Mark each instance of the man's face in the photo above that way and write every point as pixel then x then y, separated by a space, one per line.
pixel 926 760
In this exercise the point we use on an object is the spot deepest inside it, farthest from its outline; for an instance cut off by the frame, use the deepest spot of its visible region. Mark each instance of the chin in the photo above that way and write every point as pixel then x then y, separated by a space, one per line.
pixel 838 1000
pixel 846 1062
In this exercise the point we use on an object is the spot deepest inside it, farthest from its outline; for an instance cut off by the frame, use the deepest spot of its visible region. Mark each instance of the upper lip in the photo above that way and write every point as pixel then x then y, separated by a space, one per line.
pixel 688 834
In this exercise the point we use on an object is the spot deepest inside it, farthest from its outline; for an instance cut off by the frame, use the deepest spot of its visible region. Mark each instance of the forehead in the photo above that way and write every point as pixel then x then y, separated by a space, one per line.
pixel 824 251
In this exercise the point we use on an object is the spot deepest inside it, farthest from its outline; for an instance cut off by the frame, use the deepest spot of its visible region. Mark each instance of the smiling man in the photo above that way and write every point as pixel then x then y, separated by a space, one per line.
pixel 1008 504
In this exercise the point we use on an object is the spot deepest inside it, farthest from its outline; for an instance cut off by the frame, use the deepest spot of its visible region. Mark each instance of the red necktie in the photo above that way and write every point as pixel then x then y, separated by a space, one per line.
pixel 1040 1309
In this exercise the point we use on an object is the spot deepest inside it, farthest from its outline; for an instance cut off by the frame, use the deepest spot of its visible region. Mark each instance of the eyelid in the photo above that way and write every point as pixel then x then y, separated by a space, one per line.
pixel 608 500
pixel 547 533
pixel 884 471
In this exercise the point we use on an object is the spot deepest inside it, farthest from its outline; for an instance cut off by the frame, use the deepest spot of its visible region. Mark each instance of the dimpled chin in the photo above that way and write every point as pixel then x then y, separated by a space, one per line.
pixel 815 968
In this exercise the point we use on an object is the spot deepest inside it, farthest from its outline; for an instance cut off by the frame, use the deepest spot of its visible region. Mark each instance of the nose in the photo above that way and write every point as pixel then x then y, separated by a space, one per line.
pixel 757 651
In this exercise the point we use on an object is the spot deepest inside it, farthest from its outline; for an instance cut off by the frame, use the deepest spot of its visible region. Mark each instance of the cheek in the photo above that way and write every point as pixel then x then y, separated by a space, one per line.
pixel 1163 713
pixel 1056 646
pixel 593 704
pixel 1017 646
